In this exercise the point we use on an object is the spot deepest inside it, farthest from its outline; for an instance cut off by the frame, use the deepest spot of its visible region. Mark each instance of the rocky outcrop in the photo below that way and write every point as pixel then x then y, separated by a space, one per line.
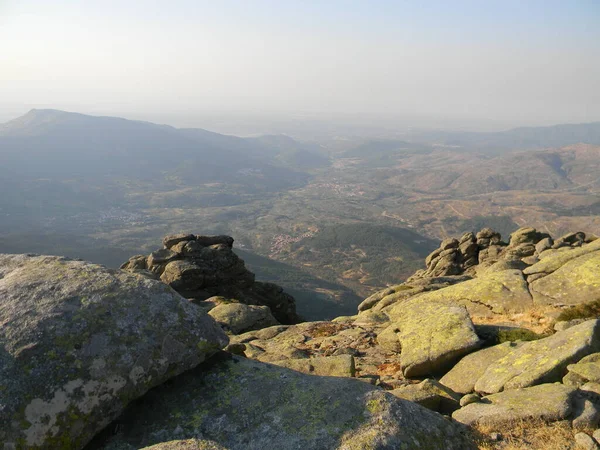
pixel 247 405
pixel 575 281
pixel 432 336
pixel 200 267
pixel 78 342
pixel 489 276
pixel 542 361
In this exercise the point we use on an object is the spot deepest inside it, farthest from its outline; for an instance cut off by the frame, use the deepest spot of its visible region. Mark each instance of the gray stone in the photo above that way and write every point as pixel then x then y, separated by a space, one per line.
pixel 550 402
pixel 188 444
pixel 247 405
pixel 541 361
pixel 433 335
pixel 463 376
pixel 171 240
pixel 585 442
pixel 468 399
pixel 430 394
pixel 239 318
pixel 79 341
pixel 326 366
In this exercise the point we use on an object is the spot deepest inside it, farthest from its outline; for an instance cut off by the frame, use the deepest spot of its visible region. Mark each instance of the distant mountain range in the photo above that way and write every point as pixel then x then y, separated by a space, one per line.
pixel 524 138
pixel 51 143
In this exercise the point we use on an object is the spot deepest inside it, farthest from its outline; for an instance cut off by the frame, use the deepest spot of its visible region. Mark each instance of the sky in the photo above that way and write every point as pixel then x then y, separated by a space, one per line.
pixel 507 62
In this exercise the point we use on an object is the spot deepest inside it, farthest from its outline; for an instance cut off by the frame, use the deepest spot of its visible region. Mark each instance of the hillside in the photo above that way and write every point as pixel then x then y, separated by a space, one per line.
pixel 105 188
pixel 523 138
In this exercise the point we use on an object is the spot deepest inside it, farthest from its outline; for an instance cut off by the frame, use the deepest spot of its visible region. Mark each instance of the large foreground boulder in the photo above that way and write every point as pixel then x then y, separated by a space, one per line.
pixel 432 335
pixel 78 342
pixel 542 361
pixel 247 405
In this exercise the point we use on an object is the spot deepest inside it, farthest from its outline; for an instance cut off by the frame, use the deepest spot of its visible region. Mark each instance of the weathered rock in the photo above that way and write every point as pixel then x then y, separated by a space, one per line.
pixel 137 262
pixel 207 241
pixel 448 244
pixel 430 394
pixel 171 240
pixel 566 324
pixel 327 366
pixel 497 292
pixel 467 237
pixel 541 361
pixel 238 318
pixel 555 260
pixel 200 267
pixel 188 444
pixel 526 235
pixel 585 442
pixel 463 376
pixel 79 341
pixel 586 370
pixel 519 251
pixel 544 245
pixel 493 252
pixel 550 402
pixel 576 281
pixel 586 413
pixel 468 399
pixel 592 387
pixel 161 256
pixel 226 402
pixel 432 335
pixel 388 339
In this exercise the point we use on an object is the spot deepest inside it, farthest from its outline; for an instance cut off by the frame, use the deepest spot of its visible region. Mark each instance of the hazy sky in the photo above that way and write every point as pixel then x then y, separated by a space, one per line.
pixel 521 61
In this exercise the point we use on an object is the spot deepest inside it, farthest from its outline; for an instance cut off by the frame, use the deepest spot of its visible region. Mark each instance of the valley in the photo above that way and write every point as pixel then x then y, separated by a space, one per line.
pixel 332 220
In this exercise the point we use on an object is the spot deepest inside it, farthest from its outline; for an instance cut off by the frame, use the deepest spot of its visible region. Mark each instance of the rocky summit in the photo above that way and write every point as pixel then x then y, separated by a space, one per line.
pixel 183 349
pixel 205 270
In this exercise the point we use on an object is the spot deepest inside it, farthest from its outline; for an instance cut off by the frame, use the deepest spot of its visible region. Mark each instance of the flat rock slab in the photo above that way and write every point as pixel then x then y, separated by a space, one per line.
pixel 541 361
pixel 78 342
pixel 551 402
pixel 432 335
pixel 188 444
pixel 463 376
pixel 495 292
pixel 243 404
pixel 330 366
pixel 575 282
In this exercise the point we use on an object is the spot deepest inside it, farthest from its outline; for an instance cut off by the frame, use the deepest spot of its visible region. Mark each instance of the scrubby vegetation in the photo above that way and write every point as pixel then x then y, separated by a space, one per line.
pixel 584 311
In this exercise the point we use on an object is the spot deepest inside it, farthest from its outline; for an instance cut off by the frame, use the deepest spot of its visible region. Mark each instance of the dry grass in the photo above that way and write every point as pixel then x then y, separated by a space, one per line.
pixel 536 319
pixel 528 435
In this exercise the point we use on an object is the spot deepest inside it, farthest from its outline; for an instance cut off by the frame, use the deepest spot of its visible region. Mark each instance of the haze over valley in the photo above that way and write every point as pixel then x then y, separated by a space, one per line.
pixel 331 220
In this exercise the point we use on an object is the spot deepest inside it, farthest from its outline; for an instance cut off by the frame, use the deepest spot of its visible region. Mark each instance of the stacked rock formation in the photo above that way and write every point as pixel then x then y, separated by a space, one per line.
pixel 203 268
